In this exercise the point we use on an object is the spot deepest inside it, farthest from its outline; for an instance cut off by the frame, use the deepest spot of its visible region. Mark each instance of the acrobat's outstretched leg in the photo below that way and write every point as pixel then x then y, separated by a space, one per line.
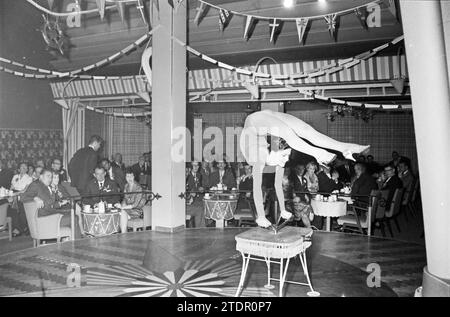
pixel 304 130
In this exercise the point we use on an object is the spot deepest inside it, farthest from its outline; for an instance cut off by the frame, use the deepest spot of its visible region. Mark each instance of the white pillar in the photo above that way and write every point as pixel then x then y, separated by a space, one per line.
pixel 425 51
pixel 168 115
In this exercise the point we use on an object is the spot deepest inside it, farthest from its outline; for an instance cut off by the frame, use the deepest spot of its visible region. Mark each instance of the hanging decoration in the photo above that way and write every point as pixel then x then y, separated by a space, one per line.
pixel 275 29
pixel 140 6
pixel 331 21
pixel 302 24
pixel 224 19
pixel 101 8
pixel 49 74
pixel 339 110
pixel 361 14
pixel 201 12
pixel 248 25
pixel 53 34
pixel 50 4
pixel 121 8
pixel 393 8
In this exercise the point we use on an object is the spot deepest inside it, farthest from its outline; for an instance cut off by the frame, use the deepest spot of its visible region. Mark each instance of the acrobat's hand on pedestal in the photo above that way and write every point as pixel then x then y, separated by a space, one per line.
pixel 263 222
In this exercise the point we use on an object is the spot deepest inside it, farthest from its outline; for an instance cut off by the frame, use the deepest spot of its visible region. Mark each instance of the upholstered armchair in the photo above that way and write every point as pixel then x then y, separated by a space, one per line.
pixel 44 228
pixel 142 223
pixel 5 222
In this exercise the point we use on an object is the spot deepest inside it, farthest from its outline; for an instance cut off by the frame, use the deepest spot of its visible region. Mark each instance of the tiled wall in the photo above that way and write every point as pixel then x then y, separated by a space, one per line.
pixel 17 145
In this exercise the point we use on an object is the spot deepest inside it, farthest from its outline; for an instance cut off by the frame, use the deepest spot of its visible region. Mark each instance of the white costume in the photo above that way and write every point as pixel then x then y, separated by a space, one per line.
pixel 254 147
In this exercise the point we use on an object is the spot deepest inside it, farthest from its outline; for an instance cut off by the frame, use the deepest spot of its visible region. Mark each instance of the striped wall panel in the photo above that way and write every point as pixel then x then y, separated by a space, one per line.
pixel 375 68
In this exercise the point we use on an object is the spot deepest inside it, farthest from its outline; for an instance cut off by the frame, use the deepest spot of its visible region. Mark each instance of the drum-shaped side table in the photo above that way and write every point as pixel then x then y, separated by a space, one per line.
pixel 219 210
pixel 263 245
pixel 329 209
pixel 98 225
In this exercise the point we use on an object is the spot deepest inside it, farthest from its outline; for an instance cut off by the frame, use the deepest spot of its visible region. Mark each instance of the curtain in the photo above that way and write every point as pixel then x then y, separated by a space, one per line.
pixel 73 119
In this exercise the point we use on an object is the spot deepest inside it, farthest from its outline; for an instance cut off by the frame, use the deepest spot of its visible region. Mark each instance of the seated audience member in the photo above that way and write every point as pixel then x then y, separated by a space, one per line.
pixel 346 171
pixel 6 176
pixel 40 163
pixel 133 201
pixel 222 176
pixel 363 184
pixel 30 170
pixel 57 168
pixel 328 182
pixel 238 170
pixel 58 190
pixel 117 162
pixel 37 172
pixel 246 180
pixel 396 158
pixel 141 171
pixel 372 167
pixel 312 182
pixel 41 192
pixel 298 180
pixel 287 185
pixel 114 173
pixel 391 183
pixel 405 175
pixel 205 171
pixel 103 188
pixel 21 181
pixel 361 159
pixel 302 211
pixel 194 178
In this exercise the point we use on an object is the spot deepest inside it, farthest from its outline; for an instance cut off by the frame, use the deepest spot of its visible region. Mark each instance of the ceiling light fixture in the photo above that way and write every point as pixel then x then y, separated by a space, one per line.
pixel 288 3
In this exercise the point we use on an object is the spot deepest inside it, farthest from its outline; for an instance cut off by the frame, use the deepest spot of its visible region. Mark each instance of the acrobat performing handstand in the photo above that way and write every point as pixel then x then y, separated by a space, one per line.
pixel 254 147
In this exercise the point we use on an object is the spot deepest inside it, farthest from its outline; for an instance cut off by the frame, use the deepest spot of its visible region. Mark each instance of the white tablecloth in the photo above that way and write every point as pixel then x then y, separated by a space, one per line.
pixel 329 209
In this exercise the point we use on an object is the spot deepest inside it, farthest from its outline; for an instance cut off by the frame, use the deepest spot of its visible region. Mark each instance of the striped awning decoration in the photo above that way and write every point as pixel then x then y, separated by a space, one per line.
pixel 379 68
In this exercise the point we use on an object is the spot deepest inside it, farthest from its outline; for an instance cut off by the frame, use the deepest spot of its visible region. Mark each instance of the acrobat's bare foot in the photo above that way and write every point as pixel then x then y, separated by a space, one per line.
pixel 326 159
pixel 263 222
pixel 285 214
pixel 359 149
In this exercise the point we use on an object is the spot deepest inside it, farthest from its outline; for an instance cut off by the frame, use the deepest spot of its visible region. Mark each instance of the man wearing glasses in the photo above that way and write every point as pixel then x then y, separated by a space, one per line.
pixel 391 183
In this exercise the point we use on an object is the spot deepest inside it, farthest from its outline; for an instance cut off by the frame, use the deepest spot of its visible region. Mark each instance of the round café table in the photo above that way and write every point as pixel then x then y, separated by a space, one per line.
pixel 329 209
pixel 220 208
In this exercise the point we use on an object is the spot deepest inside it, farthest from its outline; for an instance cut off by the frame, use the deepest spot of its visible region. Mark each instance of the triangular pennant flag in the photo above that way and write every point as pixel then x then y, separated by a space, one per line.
pixel 275 29
pixel 156 4
pixel 101 8
pixel 171 3
pixel 200 13
pixel 393 8
pixel 140 6
pixel 398 84
pixel 361 14
pixel 224 18
pixel 50 4
pixel 121 8
pixel 248 22
pixel 302 24
pixel 331 21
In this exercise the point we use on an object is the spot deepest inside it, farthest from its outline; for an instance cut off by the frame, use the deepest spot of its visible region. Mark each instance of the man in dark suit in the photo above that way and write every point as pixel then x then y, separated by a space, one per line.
pixel 222 176
pixel 83 163
pixel 114 173
pixel 141 171
pixel 346 171
pixel 328 182
pixel 363 184
pixel 103 188
pixel 205 170
pixel 298 180
pixel 40 192
pixel 6 176
pixel 117 162
pixel 391 183
pixel 194 178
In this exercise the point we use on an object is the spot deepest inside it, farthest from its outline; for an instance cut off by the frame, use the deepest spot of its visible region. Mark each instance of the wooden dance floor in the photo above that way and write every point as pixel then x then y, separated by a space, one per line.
pixel 204 262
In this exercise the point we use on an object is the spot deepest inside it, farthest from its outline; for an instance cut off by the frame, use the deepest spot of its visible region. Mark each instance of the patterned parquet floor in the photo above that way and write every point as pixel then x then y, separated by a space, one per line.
pixel 204 262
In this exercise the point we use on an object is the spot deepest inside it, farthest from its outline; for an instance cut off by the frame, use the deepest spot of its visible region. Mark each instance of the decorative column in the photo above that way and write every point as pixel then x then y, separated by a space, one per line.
pixel 168 115
pixel 428 72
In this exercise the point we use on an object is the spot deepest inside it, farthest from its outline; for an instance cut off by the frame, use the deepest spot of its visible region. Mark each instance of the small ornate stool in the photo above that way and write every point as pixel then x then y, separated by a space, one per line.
pixel 263 245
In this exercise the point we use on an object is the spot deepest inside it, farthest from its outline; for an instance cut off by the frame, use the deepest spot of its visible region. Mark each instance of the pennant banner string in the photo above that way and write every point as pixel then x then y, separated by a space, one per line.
pixel 342 12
